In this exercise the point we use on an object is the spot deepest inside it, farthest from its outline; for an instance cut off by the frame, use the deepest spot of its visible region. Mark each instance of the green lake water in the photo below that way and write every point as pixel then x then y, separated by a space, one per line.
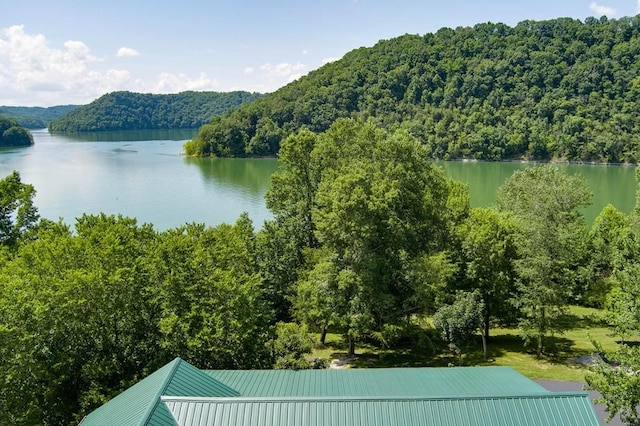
pixel 145 175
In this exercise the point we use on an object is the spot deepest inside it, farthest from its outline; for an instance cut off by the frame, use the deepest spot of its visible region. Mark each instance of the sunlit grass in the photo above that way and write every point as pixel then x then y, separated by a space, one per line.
pixel 506 348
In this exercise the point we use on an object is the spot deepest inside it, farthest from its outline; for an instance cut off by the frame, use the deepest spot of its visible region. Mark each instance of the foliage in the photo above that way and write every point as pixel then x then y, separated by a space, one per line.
pixel 86 314
pixel 377 208
pixel 78 316
pixel 619 384
pixel 550 241
pixel 556 89
pixel 35 117
pixel 137 111
pixel 12 134
pixel 488 251
pixel 290 346
pixel 459 322
pixel 213 313
pixel 18 215
pixel 612 244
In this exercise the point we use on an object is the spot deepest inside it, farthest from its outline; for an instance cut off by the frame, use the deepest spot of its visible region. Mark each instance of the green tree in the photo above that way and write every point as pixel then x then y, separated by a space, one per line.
pixel 283 240
pixel 623 301
pixel 213 312
pixel 378 207
pixel 78 319
pixel 550 240
pixel 292 343
pixel 459 322
pixel 18 215
pixel 619 384
pixel 489 252
pixel 612 246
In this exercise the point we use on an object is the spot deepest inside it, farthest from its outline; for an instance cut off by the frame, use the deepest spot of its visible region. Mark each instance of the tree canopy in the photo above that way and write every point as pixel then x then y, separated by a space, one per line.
pixel 140 111
pixel 12 134
pixel 559 89
pixel 35 117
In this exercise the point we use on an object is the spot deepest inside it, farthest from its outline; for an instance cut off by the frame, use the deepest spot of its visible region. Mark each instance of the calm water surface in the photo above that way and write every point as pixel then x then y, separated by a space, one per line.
pixel 138 174
pixel 145 175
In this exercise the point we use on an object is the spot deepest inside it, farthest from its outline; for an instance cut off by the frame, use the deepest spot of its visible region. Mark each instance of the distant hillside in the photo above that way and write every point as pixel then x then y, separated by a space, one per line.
pixel 135 111
pixel 559 89
pixel 35 117
pixel 12 134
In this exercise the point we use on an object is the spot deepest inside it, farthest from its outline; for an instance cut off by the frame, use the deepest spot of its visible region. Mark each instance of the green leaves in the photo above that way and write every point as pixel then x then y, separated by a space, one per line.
pixel 550 240
pixel 460 321
pixel 18 215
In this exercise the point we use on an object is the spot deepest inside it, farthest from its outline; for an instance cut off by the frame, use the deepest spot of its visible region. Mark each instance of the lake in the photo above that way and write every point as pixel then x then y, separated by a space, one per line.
pixel 143 174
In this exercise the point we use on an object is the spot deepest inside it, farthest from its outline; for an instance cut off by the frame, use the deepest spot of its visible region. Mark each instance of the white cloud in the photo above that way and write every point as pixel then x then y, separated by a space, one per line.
pixel 304 52
pixel 127 52
pixel 251 70
pixel 173 83
pixel 33 73
pixel 601 10
pixel 638 6
pixel 282 69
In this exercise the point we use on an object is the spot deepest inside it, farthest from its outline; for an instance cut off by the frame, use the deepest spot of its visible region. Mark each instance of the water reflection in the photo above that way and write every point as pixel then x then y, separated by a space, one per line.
pixel 130 135
pixel 247 175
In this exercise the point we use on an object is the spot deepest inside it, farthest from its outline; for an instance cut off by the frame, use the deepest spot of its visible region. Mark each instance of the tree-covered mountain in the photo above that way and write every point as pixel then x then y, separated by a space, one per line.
pixel 12 134
pixel 35 117
pixel 561 89
pixel 135 111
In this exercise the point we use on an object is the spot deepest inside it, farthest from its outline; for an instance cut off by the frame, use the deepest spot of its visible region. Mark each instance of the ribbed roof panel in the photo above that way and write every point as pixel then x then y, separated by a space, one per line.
pixel 411 382
pixel 551 409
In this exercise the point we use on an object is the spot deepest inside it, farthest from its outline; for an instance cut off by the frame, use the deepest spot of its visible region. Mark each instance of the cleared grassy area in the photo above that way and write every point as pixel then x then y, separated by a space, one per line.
pixel 505 348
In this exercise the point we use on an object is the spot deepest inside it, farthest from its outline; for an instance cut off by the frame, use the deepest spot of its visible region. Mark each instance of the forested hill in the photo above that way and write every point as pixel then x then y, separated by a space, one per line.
pixel 35 117
pixel 12 134
pixel 560 89
pixel 135 111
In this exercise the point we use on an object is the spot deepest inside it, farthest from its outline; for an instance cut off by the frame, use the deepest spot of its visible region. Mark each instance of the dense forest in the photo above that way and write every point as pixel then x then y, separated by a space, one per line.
pixel 35 117
pixel 12 134
pixel 368 240
pixel 141 111
pixel 561 89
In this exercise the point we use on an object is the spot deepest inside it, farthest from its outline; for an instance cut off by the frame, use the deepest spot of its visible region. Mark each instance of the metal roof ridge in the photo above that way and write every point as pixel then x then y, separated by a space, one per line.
pixel 546 395
pixel 158 397
pixel 319 370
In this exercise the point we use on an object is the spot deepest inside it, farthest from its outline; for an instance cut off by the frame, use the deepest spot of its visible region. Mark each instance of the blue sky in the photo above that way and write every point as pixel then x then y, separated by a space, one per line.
pixel 73 51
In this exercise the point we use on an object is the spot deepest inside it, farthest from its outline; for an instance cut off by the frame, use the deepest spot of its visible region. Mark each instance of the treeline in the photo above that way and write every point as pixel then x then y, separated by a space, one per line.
pixel 35 117
pixel 368 240
pixel 561 89
pixel 12 134
pixel 141 111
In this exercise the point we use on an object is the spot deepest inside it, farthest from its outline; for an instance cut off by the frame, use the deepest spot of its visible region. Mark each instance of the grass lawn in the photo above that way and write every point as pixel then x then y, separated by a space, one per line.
pixel 505 348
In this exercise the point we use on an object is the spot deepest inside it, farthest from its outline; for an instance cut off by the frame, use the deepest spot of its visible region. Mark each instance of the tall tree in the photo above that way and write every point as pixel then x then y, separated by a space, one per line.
pixel 550 242
pixel 18 215
pixel 79 319
pixel 489 252
pixel 378 207
pixel 213 312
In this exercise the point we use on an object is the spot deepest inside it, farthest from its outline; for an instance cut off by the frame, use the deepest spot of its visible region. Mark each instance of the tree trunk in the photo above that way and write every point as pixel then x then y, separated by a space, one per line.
pixel 484 345
pixel 485 332
pixel 352 346
pixel 323 335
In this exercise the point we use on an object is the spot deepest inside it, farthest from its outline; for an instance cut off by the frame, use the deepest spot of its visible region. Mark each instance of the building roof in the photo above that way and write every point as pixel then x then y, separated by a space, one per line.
pixel 181 395
pixel 391 382
pixel 141 405
pixel 552 409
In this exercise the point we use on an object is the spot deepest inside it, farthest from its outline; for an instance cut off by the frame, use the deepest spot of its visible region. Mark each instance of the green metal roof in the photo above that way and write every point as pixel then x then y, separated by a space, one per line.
pixel 179 394
pixel 388 382
pixel 551 409
pixel 141 405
